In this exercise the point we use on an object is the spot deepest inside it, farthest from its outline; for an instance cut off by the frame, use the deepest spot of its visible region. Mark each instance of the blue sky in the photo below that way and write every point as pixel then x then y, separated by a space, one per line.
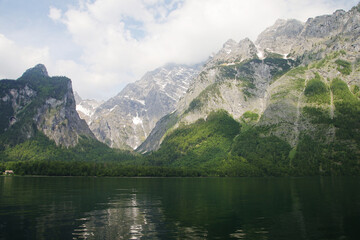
pixel 27 21
pixel 104 44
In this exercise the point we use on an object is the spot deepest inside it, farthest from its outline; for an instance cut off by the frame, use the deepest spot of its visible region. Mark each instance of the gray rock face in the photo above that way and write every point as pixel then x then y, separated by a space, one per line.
pixel 327 33
pixel 352 26
pixel 59 120
pixel 46 102
pixel 280 37
pixel 326 25
pixel 233 52
pixel 293 38
pixel 126 120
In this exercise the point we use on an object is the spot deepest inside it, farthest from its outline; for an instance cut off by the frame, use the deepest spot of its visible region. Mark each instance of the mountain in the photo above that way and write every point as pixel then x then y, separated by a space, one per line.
pixel 37 102
pixel 125 120
pixel 41 131
pixel 234 79
pixel 294 92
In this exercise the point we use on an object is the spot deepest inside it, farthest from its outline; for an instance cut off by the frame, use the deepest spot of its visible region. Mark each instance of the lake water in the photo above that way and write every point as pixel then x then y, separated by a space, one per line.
pixel 179 208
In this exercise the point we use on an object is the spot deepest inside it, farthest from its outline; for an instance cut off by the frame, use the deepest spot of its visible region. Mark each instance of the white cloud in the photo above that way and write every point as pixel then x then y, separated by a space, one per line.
pixel 188 34
pixel 112 11
pixel 55 14
pixel 86 82
pixel 14 59
pixel 119 41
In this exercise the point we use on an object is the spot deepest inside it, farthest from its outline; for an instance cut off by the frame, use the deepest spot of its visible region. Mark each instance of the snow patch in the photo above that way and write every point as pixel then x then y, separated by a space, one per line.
pixel 141 101
pixel 112 109
pixel 136 120
pixel 170 96
pixel 162 85
pixel 227 50
pixel 259 53
pixel 85 111
pixel 134 99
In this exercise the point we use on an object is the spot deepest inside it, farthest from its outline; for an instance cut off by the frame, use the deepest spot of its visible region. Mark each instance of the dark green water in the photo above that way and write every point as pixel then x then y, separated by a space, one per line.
pixel 179 208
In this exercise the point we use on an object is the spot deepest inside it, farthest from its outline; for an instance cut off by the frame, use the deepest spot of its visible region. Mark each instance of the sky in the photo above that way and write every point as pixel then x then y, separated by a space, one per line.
pixel 102 45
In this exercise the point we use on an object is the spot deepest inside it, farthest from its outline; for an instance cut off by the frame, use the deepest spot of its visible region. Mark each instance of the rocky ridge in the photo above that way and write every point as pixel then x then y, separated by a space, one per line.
pixel 264 84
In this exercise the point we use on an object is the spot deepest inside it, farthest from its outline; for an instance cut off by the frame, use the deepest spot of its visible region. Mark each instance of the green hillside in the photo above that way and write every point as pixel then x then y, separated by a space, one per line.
pixel 222 146
pixel 200 145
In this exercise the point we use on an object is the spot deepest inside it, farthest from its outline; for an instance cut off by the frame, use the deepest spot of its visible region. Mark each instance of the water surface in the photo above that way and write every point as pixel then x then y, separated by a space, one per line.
pixel 179 208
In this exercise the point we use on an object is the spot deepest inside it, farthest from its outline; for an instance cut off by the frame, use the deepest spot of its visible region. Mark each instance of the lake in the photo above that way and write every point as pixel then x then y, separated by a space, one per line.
pixel 179 208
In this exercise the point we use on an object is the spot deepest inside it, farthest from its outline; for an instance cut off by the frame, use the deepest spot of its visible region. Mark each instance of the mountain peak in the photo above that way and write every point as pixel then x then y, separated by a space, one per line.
pixel 282 27
pixel 229 43
pixel 246 41
pixel 42 69
pixel 280 37
pixel 339 12
pixel 39 69
pixel 280 21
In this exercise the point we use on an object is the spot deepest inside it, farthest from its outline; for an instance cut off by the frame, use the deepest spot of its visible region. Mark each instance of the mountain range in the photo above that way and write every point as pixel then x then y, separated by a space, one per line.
pixel 294 91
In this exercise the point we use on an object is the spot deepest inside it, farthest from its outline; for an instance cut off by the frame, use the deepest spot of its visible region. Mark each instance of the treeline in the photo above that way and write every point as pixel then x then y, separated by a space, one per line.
pixel 42 148
pixel 100 169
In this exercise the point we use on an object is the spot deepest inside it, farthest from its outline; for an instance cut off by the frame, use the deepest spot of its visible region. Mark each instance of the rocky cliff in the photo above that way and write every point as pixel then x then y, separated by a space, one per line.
pixel 37 102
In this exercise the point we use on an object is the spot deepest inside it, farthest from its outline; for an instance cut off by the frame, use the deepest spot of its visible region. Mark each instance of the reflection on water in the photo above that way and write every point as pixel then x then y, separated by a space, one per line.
pixel 125 217
pixel 130 215
pixel 178 208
